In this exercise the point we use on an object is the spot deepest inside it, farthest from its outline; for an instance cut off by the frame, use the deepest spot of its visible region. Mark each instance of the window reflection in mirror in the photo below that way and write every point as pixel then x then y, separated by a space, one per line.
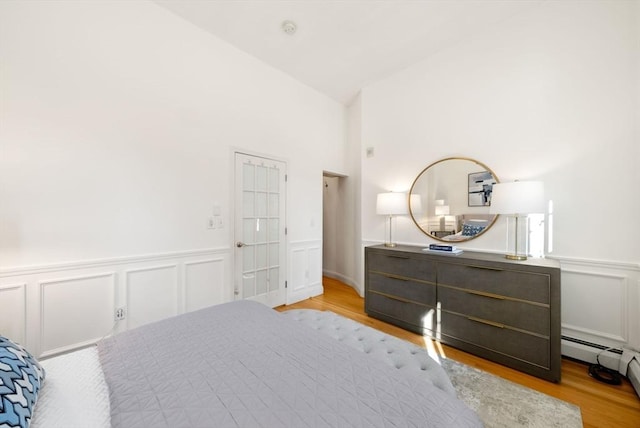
pixel 450 199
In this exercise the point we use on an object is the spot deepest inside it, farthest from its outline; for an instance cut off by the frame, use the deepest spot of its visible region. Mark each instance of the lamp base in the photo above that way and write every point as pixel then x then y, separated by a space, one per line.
pixel 517 237
pixel 389 244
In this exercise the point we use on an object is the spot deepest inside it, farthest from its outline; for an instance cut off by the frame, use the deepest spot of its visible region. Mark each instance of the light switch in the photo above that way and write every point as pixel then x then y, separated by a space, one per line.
pixel 369 152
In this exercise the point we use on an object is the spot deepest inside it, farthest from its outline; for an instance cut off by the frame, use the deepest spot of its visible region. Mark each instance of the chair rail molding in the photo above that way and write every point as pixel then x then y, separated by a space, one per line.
pixel 74 265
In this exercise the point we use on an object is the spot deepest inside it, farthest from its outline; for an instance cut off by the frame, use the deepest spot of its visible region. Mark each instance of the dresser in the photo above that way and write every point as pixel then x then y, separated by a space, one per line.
pixel 502 310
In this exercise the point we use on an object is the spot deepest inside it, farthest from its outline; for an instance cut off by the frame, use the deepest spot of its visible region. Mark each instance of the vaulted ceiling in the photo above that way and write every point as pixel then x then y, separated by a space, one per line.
pixel 340 47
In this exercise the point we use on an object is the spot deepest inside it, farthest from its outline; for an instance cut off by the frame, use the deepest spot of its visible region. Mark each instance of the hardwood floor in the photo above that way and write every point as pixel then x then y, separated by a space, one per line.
pixel 602 405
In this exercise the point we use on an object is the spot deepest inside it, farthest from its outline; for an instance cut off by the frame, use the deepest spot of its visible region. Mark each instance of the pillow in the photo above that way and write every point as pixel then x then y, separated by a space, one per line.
pixel 471 230
pixel 21 378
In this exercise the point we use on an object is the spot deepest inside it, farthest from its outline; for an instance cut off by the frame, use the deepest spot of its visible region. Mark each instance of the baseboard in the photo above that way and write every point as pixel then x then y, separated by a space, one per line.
pixel 343 279
pixel 633 373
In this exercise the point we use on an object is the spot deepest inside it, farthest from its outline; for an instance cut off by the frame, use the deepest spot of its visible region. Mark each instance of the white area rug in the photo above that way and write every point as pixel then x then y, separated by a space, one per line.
pixel 503 404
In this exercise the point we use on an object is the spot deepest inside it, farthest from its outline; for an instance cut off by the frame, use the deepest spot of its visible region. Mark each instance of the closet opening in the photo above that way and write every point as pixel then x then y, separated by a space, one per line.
pixel 335 218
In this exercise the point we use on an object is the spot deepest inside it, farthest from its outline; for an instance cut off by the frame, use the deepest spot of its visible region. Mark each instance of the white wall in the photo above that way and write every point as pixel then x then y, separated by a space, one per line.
pixel 342 242
pixel 354 160
pixel 548 95
pixel 118 122
pixel 551 95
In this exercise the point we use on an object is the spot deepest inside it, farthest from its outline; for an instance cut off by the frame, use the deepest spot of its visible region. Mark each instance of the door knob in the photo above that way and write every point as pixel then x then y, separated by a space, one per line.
pixel 240 244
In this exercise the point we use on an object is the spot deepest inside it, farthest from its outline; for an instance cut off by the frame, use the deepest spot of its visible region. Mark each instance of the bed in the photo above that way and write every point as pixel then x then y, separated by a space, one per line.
pixel 242 364
pixel 470 225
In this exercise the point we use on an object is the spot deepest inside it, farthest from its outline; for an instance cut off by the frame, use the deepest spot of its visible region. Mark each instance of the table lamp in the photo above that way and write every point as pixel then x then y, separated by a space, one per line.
pixel 391 204
pixel 517 200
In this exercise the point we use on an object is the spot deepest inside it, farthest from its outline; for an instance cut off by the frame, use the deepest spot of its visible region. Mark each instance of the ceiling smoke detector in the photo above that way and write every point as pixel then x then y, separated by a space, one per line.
pixel 289 27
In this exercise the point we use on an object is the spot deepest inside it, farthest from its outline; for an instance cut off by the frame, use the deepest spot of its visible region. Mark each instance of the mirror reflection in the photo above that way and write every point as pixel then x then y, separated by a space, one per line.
pixel 450 199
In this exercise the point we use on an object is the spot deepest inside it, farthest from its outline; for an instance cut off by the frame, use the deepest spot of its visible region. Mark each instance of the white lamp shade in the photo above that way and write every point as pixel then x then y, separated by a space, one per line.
pixel 392 203
pixel 442 209
pixel 518 197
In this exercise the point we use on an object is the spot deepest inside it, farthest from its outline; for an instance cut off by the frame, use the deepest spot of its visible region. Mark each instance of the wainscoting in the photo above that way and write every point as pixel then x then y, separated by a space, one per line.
pixel 57 308
pixel 305 270
pixel 600 309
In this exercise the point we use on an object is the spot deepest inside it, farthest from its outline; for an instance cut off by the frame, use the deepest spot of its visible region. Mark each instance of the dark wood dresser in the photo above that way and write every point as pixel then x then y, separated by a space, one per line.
pixel 502 310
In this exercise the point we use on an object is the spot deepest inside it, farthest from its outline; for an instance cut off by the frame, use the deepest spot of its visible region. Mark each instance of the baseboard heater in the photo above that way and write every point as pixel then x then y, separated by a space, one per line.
pixel 588 351
pixel 592 345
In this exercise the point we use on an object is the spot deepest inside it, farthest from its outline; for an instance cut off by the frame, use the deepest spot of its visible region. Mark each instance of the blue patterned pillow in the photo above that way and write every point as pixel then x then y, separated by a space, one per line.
pixel 471 230
pixel 21 377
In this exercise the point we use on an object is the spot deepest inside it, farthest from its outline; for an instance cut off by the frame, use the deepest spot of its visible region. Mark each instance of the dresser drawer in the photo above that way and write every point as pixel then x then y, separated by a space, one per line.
pixel 521 315
pixel 420 316
pixel 506 282
pixel 419 292
pixel 525 347
pixel 398 263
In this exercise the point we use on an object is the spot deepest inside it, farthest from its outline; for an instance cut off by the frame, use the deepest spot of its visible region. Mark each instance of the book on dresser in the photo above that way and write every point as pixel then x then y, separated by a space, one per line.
pixel 502 310
pixel 446 249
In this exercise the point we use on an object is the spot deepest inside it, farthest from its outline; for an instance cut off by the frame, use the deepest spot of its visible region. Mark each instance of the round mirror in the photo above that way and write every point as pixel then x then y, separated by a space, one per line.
pixel 450 199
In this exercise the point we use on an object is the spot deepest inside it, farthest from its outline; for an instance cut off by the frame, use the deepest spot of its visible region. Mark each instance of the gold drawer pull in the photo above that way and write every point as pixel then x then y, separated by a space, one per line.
pixel 481 321
pixel 400 278
pixel 397 299
pixel 486 268
pixel 394 298
pixel 483 294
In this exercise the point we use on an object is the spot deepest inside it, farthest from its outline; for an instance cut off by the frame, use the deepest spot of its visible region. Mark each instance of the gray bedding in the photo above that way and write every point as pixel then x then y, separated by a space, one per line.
pixel 242 364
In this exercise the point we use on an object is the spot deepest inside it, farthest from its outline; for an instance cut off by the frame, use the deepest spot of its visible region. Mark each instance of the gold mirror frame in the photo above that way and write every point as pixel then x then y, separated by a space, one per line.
pixel 449 200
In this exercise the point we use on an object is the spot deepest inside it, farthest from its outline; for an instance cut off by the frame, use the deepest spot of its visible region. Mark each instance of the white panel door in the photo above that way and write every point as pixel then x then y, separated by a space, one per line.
pixel 260 229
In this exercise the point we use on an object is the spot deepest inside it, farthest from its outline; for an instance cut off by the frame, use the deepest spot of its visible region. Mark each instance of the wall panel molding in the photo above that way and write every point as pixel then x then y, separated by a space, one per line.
pixel 75 311
pixel 304 273
pixel 151 294
pixel 13 317
pixel 199 279
pixel 605 305
pixel 600 305
pixel 65 306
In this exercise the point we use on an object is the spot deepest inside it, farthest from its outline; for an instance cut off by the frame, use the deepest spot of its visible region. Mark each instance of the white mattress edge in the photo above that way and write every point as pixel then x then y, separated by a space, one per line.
pixel 74 392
